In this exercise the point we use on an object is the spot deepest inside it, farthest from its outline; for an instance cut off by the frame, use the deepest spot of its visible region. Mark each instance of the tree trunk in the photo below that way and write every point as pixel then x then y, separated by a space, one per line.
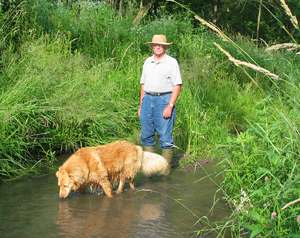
pixel 121 5
pixel 112 3
pixel 258 21
pixel 143 11
pixel 215 11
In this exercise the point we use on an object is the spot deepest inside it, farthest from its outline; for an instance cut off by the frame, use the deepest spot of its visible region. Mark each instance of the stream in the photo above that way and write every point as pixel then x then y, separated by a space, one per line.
pixel 159 207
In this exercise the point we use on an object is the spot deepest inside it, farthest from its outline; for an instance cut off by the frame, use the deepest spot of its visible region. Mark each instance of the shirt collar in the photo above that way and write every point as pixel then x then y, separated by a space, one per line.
pixel 163 60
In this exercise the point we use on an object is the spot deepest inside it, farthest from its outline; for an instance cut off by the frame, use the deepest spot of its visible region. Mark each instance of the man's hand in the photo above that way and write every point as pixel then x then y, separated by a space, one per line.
pixel 168 111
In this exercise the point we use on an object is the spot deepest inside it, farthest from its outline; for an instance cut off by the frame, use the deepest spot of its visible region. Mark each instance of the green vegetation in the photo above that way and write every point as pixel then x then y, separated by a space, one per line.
pixel 69 77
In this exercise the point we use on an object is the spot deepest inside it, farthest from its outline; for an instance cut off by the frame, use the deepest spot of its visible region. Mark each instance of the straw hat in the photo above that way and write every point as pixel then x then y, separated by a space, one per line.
pixel 159 39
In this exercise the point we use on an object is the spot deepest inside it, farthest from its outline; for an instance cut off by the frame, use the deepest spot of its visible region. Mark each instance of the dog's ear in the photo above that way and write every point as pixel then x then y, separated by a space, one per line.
pixel 75 179
pixel 58 173
pixel 72 178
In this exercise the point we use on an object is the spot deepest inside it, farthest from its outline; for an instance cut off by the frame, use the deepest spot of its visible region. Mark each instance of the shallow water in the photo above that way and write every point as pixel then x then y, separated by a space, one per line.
pixel 32 208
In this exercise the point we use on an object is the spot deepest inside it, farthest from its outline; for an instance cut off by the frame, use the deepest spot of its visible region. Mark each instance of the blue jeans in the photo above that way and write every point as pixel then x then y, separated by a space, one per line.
pixel 151 119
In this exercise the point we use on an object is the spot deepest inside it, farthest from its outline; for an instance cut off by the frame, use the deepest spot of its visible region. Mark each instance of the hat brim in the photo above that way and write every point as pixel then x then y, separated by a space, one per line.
pixel 159 43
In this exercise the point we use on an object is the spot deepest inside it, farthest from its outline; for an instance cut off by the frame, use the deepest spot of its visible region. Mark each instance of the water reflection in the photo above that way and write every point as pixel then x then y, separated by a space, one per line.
pixel 122 216
pixel 83 219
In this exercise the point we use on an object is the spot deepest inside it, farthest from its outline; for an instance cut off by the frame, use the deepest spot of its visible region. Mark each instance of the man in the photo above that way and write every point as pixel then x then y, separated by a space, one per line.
pixel 160 86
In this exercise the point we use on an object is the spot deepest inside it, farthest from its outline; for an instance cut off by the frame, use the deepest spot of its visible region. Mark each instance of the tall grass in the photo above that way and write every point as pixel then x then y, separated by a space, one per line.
pixel 261 177
pixel 213 101
pixel 69 79
pixel 54 102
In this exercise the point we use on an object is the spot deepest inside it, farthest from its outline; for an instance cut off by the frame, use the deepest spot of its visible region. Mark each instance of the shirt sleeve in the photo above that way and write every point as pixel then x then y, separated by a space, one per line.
pixel 176 75
pixel 143 76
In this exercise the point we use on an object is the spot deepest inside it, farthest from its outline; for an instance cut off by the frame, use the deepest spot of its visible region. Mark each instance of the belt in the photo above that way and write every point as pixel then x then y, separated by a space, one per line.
pixel 157 94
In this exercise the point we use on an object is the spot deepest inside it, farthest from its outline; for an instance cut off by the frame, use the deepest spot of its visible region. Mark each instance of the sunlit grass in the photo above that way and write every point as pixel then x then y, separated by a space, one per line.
pixel 261 167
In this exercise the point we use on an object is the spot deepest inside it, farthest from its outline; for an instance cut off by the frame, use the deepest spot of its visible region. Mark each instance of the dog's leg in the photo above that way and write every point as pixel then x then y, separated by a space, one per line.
pixel 131 184
pixel 122 183
pixel 81 190
pixel 106 185
pixel 121 186
pixel 103 182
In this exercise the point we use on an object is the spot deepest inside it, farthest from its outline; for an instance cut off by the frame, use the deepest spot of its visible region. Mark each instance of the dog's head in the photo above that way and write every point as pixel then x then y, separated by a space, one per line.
pixel 66 182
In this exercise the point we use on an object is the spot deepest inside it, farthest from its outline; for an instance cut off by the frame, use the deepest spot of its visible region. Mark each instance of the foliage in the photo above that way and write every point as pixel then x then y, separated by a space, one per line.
pixel 230 15
pixel 263 164
pixel 261 167
pixel 64 87
pixel 242 17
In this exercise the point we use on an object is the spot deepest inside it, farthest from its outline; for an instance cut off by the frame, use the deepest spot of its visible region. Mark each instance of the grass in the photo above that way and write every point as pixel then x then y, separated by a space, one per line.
pixel 67 82
pixel 261 169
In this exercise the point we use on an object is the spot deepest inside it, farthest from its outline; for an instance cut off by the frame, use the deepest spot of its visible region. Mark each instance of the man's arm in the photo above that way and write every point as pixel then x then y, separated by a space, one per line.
pixel 168 110
pixel 141 98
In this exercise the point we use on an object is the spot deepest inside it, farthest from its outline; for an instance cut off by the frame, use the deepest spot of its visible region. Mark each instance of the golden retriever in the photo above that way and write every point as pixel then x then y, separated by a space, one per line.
pixel 115 162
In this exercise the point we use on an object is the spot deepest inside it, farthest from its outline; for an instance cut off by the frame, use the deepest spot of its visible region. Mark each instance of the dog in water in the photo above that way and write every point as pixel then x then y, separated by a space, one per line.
pixel 116 162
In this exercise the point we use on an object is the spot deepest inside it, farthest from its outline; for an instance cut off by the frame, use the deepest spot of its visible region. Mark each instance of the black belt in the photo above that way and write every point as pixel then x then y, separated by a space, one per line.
pixel 157 94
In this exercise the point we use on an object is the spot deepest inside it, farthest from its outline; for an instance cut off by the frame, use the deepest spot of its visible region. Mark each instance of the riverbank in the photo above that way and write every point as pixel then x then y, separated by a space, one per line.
pixel 196 164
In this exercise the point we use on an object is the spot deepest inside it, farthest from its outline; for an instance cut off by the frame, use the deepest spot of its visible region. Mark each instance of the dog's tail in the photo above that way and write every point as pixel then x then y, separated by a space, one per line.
pixel 152 163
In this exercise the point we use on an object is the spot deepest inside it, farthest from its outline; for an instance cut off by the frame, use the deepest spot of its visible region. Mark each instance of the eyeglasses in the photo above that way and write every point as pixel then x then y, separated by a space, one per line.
pixel 157 45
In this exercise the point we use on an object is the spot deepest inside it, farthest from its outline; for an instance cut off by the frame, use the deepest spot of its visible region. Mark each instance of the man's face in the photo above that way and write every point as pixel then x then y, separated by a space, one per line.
pixel 158 49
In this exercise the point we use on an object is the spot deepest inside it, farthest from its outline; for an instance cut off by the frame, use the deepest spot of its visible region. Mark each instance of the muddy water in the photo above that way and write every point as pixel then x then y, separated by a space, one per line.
pixel 32 208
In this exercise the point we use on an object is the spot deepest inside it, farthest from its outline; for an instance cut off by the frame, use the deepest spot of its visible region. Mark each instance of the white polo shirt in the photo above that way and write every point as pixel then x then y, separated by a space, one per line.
pixel 162 76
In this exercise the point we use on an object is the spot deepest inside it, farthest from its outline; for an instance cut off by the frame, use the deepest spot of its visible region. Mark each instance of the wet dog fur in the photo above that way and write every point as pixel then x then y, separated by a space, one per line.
pixel 116 162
